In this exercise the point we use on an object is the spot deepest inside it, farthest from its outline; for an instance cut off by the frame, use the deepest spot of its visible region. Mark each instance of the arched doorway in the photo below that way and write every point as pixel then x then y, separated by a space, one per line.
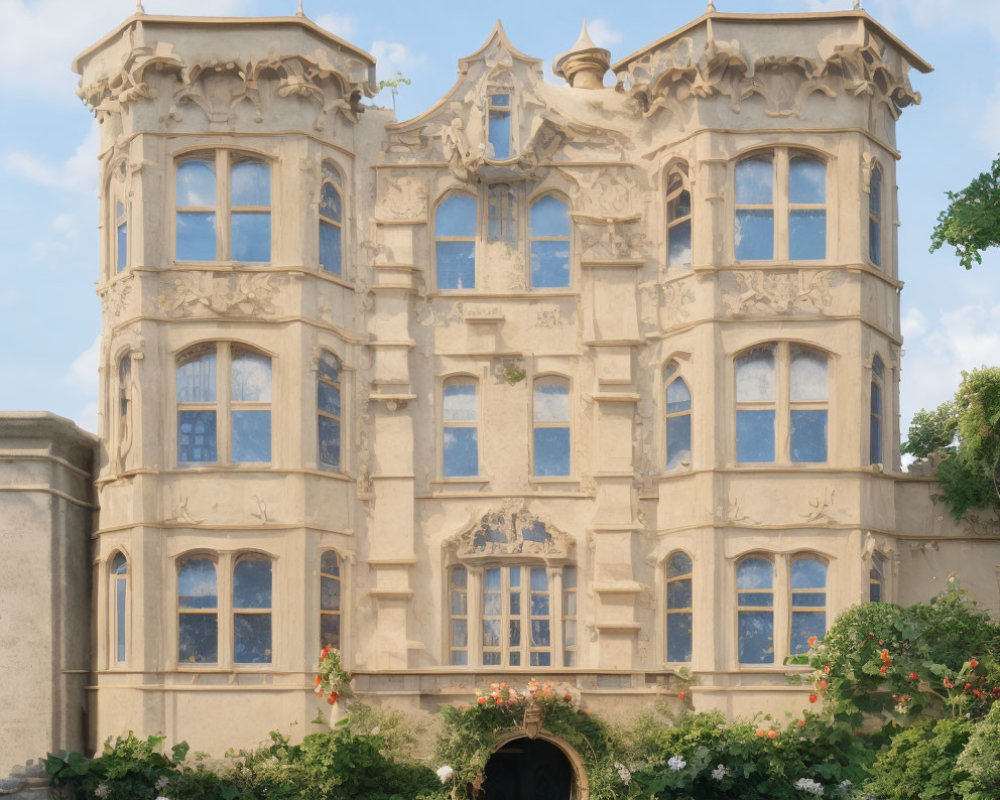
pixel 524 768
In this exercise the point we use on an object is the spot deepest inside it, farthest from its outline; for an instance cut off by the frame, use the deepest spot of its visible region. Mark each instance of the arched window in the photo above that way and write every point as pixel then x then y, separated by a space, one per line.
pixel 875 425
pixel 197 611
pixel 331 211
pixel 328 409
pixel 329 600
pixel 678 418
pixel 119 591
pixel 455 232
pixel 875 216
pixel 458 587
pixel 679 608
pixel 789 223
pixel 781 395
pixel 755 610
pixel 876 579
pixel 214 224
pixel 125 426
pixel 252 610
pixel 499 125
pixel 678 219
pixel 460 433
pixel 808 601
pixel 550 237
pixel 117 194
pixel 502 214
pixel 551 427
pixel 242 416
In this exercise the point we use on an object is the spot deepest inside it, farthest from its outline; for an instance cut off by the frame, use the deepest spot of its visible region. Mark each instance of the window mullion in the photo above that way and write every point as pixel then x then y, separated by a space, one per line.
pixel 223 383
pixel 782 608
pixel 556 617
pixel 781 204
pixel 475 608
pixel 782 428
pixel 223 248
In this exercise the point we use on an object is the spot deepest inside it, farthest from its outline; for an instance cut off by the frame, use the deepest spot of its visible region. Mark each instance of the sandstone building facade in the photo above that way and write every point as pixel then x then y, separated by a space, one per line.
pixel 593 383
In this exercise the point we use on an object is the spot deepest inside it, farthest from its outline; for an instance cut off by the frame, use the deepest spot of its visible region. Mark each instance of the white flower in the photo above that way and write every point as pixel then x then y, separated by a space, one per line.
pixel 676 763
pixel 720 773
pixel 445 773
pixel 623 773
pixel 810 786
pixel 101 790
pixel 161 797
pixel 161 782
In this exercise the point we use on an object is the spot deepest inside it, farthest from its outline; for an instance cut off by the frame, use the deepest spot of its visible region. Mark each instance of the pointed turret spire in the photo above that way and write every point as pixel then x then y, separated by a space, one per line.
pixel 584 64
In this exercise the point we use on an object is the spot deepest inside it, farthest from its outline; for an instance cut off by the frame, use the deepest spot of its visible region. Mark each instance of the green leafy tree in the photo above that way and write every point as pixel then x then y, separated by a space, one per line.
pixel 393 84
pixel 971 222
pixel 965 434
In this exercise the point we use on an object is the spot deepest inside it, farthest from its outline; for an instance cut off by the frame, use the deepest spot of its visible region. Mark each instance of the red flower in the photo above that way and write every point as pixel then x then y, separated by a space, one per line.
pixel 826 670
pixel 801 723
pixel 884 668
pixel 884 655
pixel 584 711
pixel 567 698
pixel 978 694
pixel 973 663
pixel 822 684
pixel 948 683
pixel 968 686
pixel 481 700
pixel 680 695
pixel 913 676
pixel 813 698
pixel 771 734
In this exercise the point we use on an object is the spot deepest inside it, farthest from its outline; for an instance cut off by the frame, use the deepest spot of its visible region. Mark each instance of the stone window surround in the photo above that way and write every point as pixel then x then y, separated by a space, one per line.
pixel 118 191
pixel 660 383
pixel 572 401
pixel 678 167
pixel 225 564
pixel 112 618
pixel 525 203
pixel 882 216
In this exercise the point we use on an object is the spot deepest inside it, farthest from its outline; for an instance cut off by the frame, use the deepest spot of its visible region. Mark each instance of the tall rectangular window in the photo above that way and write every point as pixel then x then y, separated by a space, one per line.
pixel 550 243
pixel 808 603
pixel 806 208
pixel 121 238
pixel 678 219
pixel 499 127
pixel 460 429
pixel 501 214
pixel 755 406
pixel 679 608
pixel 331 212
pixel 196 405
pixel 755 617
pixel 754 231
pixel 329 600
pixel 252 610
pixel 458 591
pixel 250 397
pixel 119 590
pixel 198 612
pixel 328 410
pixel 517 618
pixel 551 427
pixel 455 233
pixel 250 209
pixel 569 611
pixel 875 412
pixel 677 418
pixel 875 216
pixel 807 404
pixel 196 204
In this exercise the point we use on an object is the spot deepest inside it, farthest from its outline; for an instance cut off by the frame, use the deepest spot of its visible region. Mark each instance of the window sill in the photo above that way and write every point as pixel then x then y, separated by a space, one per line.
pixel 557 481
pixel 464 479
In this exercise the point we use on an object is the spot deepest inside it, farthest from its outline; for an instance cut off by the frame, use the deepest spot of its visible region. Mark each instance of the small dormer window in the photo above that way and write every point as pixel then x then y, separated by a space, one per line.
pixel 499 127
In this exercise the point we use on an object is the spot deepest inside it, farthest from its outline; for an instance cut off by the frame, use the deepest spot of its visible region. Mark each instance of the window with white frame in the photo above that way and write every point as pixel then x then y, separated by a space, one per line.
pixel 455 225
pixel 679 607
pixel 875 216
pixel 329 411
pixel 223 405
pixel 549 224
pixel 460 431
pixel 678 218
pixel 781 396
pixel 551 439
pixel 223 207
pixel 329 600
pixel 331 218
pixel 118 211
pixel 787 224
pixel 875 412
pixel 677 418
pixel 119 595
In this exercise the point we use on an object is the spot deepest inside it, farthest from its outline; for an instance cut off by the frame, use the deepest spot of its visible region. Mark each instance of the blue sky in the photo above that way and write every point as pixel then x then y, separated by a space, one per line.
pixel 50 315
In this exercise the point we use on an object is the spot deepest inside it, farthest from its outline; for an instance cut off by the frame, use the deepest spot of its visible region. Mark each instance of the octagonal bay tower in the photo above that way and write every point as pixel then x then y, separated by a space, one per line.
pixel 589 384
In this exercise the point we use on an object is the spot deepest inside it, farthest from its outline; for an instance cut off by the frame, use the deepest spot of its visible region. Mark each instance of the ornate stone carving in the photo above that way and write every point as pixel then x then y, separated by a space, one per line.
pixel 242 295
pixel 760 292
pixel 115 297
pixel 676 296
pixel 603 238
pixel 511 532
pixel 820 508
pixel 112 93
pixel 402 198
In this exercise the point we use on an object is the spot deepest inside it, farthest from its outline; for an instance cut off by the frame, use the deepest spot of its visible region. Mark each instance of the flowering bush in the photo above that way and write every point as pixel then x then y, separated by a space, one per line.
pixel 333 681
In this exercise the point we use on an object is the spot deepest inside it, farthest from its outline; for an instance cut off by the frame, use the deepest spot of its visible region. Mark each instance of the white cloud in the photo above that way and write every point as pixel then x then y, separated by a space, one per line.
pixel 82 374
pixel 936 15
pixel 393 57
pixel 87 418
pixel 79 171
pixel 603 34
pixel 913 323
pixel 342 25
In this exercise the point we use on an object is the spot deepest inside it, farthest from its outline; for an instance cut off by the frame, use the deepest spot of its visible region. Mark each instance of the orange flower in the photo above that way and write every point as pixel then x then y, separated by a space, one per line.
pixel 319 680
pixel 481 700
pixel 948 683
pixel 813 698
pixel 801 723
pixel 974 663
pixel 884 668
pixel 826 670
pixel 884 655
pixel 567 698
pixel 761 732
pixel 811 641
pixel 771 734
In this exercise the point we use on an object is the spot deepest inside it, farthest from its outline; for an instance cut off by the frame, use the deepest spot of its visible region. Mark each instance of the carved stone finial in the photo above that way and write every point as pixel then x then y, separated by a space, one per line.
pixel 710 7
pixel 857 4
pixel 300 12
pixel 138 7
pixel 584 64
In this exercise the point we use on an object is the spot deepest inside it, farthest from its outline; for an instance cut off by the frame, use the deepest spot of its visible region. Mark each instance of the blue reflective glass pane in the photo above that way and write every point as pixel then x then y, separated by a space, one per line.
pixel 493 578
pixel 198 638
pixel 678 440
pixel 500 100
pixel 678 397
pixel 551 401
pixel 805 624
pixel 755 436
pixel 515 577
pixel 459 578
pixel 328 398
pixel 806 181
pixel 459 633
pixel 756 637
pixel 491 659
pixel 875 242
pixel 754 181
pixel 808 573
pixel 515 603
pixel 875 441
pixel 252 638
pixel 329 442
pixel 679 594
pixel 550 217
pixel 539 605
pixel 808 436
pixel 491 633
pixel 549 264
pixel 122 247
pixel 491 604
pixel 755 573
pixel 196 379
pixel 807 377
pixel 461 452
pixel 541 659
pixel 329 594
pixel 460 658
pixel 540 633
pixel 329 203
pixel 679 637
pixel 456 265
pixel 196 587
pixel 120 619
pixel 329 366
pixel 251 236
pixel 459 604
pixel 754 235
pixel 252 583
pixel 875 191
pixel 329 630
pixel 679 207
pixel 755 377
pixel 806 235
pixel 251 377
pixel 329 247
pixel 331 173
pixel 460 402
pixel 809 599
pixel 500 134
pixel 120 565
pixel 251 436
pixel 456 216
pixel 250 184
pixel 679 248
pixel 196 184
pixel 679 564
pixel 539 580
pixel 755 599
pixel 569 577
pixel 196 436
pixel 551 451
pixel 330 563
pixel 195 236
